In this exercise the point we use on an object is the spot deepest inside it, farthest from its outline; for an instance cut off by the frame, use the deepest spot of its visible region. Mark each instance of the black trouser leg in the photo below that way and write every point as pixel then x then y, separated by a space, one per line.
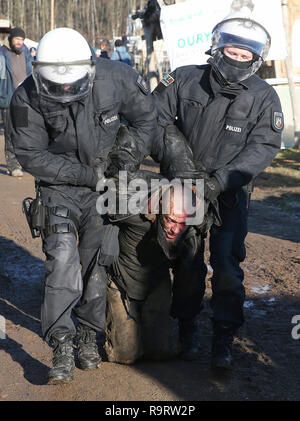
pixel 63 284
pixel 189 286
pixel 92 307
pixel 227 251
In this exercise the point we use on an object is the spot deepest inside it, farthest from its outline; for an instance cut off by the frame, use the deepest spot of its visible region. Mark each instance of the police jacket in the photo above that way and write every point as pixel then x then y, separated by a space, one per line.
pixel 6 79
pixel 234 132
pixel 61 143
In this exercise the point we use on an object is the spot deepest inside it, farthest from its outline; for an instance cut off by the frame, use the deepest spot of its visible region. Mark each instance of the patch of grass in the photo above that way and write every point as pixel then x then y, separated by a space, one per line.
pixel 284 171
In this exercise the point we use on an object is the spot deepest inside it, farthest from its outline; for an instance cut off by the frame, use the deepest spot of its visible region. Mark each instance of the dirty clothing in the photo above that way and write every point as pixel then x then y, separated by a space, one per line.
pixel 153 336
pixel 141 298
pixel 64 146
pixel 234 132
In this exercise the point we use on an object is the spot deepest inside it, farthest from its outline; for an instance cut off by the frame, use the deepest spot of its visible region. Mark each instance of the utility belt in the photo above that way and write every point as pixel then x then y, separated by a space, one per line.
pixel 38 218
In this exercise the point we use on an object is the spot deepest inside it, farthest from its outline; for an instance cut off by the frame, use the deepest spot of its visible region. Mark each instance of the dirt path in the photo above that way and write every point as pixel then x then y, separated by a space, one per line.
pixel 267 357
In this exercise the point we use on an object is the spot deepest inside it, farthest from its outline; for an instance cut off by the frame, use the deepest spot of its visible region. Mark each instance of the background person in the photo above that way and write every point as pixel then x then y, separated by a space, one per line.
pixel 15 66
pixel 104 49
pixel 120 53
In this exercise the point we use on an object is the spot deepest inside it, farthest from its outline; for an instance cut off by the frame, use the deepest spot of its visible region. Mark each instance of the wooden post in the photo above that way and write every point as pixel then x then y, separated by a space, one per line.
pixel 52 15
pixel 150 60
pixel 290 74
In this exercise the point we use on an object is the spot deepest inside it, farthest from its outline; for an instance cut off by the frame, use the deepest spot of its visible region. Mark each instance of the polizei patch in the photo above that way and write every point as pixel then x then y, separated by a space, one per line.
pixel 277 121
pixel 108 120
pixel 143 85
pixel 234 129
pixel 167 80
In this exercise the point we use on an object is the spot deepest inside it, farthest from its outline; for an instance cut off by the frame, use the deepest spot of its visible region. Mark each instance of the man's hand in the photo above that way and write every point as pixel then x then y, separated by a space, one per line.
pixel 212 189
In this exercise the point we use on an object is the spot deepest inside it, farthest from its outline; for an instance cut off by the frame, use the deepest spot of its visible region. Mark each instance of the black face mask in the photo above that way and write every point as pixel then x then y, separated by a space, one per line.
pixel 238 64
pixel 233 71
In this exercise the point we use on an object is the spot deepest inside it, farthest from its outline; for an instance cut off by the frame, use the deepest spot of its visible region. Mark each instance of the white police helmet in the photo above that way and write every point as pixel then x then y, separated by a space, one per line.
pixel 242 31
pixel 64 69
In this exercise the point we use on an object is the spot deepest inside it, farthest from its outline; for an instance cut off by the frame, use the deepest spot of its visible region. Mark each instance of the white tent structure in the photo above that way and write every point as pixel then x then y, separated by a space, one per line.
pixel 30 43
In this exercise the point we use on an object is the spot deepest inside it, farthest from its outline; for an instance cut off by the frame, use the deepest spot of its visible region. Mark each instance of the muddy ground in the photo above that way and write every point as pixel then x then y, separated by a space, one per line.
pixel 267 358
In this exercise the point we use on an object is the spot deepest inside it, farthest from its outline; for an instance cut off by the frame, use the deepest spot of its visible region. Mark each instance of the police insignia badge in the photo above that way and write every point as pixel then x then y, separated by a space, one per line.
pixel 143 85
pixel 277 121
pixel 167 80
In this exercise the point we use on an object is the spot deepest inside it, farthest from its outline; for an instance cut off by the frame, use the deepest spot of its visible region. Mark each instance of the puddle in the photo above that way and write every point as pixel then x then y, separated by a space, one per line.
pixel 248 304
pixel 259 313
pixel 271 300
pixel 260 289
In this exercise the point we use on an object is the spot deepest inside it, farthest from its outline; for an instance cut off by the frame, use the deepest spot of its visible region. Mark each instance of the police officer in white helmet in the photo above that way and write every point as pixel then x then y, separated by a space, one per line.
pixel 65 121
pixel 233 122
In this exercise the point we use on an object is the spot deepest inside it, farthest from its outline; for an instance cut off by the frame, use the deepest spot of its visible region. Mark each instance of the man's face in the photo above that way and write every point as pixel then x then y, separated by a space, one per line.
pixel 238 54
pixel 173 225
pixel 17 42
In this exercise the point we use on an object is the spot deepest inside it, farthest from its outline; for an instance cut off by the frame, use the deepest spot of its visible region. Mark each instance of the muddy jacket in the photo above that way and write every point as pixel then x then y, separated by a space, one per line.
pixel 233 132
pixel 59 144
pixel 142 263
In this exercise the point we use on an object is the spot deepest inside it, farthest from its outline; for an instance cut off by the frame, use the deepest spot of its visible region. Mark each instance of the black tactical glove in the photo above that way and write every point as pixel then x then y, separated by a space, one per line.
pixel 177 157
pixel 212 189
pixel 124 156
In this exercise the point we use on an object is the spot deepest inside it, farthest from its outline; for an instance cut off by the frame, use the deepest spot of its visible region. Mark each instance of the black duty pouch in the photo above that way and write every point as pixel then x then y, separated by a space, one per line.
pixel 35 213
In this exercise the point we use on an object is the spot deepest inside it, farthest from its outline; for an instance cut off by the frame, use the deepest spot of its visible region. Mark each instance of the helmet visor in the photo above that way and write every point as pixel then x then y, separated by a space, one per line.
pixel 64 82
pixel 227 40
pixel 241 33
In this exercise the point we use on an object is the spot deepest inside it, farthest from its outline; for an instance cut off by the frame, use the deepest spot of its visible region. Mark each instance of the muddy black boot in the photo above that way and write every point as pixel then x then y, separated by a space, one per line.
pixel 188 339
pixel 63 359
pixel 221 351
pixel 88 355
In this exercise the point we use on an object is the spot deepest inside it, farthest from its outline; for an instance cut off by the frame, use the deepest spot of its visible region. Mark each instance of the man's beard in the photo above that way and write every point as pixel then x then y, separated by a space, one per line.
pixel 171 248
pixel 14 49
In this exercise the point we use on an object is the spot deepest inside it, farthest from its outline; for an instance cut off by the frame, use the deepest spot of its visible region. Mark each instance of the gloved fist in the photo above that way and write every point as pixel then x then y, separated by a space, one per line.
pixel 212 189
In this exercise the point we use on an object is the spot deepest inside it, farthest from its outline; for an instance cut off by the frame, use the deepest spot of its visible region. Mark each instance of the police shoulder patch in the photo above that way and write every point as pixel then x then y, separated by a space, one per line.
pixel 167 80
pixel 143 85
pixel 19 116
pixel 277 121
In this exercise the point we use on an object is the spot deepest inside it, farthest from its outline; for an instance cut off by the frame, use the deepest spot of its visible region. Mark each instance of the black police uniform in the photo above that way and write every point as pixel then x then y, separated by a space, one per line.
pixel 59 144
pixel 234 132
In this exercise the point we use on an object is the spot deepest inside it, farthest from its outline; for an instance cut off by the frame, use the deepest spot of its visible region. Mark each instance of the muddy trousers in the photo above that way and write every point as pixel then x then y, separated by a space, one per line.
pixel 75 284
pixel 140 329
pixel 10 157
pixel 227 251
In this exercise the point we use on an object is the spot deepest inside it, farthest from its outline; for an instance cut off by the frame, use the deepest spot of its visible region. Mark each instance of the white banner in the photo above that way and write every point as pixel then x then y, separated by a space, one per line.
pixel 187 27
